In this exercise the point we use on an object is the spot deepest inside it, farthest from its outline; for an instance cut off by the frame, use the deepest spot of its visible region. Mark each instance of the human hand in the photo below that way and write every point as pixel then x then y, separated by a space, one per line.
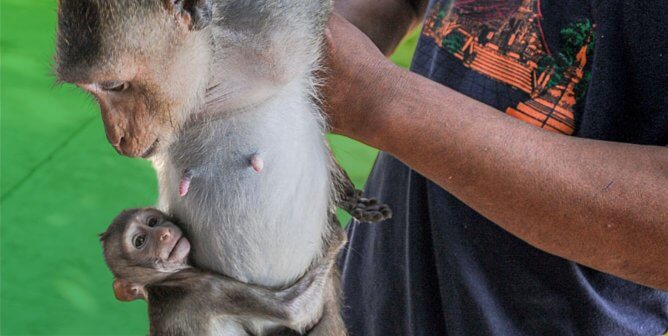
pixel 359 79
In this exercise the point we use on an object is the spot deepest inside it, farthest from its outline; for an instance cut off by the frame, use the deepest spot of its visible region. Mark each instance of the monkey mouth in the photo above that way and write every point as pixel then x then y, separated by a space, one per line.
pixel 180 250
pixel 149 151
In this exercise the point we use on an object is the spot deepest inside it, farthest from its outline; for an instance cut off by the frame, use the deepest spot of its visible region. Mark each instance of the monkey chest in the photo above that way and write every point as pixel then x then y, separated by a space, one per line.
pixel 261 223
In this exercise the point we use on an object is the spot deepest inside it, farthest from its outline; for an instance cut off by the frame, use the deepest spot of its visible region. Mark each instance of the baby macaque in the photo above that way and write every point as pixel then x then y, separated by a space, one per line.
pixel 149 257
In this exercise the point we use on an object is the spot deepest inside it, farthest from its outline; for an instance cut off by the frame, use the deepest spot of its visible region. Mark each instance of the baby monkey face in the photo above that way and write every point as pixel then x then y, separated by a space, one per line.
pixel 152 239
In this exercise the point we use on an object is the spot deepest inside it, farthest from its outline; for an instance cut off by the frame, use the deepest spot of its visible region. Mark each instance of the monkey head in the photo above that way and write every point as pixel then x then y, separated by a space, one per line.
pixel 145 62
pixel 142 247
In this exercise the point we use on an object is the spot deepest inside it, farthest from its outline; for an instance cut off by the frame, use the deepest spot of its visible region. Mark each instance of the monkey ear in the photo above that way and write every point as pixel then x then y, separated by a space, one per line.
pixel 196 14
pixel 126 291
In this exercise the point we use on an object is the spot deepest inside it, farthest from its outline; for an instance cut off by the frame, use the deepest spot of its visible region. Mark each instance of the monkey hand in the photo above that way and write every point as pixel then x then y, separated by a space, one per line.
pixel 371 210
pixel 365 209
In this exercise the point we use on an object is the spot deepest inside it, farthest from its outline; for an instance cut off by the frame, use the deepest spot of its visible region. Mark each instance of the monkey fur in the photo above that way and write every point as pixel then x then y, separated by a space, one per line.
pixel 204 86
pixel 182 299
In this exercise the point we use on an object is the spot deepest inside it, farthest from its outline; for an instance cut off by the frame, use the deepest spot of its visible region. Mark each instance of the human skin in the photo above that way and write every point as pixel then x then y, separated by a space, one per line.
pixel 601 204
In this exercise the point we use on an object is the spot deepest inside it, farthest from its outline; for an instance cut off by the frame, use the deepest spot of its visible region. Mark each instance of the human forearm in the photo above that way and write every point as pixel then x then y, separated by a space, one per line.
pixel 386 22
pixel 602 204
pixel 598 203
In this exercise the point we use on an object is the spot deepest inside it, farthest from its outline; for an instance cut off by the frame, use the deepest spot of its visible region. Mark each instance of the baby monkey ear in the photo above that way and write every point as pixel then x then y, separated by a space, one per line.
pixel 126 291
pixel 195 14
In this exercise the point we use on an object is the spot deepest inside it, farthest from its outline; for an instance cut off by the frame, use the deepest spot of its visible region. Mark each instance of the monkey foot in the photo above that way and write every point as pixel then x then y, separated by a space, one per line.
pixel 371 210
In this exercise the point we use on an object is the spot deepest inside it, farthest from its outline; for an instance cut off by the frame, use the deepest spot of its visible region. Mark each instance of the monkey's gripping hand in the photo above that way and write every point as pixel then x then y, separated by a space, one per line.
pixel 365 209
pixel 353 201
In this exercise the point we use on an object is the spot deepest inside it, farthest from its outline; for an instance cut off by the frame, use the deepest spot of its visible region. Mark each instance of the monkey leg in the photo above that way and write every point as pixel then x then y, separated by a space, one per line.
pixel 331 323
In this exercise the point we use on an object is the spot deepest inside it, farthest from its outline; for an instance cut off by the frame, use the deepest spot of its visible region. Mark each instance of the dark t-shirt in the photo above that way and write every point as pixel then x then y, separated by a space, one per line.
pixel 593 69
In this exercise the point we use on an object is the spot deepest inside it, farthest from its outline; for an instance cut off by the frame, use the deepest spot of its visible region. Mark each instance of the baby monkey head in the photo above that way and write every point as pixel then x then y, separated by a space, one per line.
pixel 142 247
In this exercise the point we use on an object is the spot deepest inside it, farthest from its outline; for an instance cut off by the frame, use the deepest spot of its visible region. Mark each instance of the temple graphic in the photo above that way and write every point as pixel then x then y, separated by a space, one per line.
pixel 509 46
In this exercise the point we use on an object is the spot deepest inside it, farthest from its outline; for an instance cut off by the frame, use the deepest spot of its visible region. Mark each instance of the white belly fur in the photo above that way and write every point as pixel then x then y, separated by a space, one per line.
pixel 264 228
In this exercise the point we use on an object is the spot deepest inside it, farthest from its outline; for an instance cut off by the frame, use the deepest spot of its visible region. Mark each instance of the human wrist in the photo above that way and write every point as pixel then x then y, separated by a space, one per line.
pixel 377 89
pixel 384 103
pixel 359 82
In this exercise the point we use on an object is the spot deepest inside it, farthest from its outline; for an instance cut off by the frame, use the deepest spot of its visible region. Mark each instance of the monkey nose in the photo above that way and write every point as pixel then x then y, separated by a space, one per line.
pixel 118 141
pixel 165 235
pixel 117 145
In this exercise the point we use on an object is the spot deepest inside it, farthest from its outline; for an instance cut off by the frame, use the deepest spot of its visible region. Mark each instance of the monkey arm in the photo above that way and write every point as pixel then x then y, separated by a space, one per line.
pixel 599 203
pixel 185 303
pixel 386 22
pixel 295 307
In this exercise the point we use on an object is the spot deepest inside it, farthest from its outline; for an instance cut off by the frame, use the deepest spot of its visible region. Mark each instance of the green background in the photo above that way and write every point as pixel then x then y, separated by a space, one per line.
pixel 62 183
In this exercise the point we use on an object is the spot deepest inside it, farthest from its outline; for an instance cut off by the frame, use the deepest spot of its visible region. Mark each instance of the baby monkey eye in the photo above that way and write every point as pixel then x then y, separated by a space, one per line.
pixel 152 221
pixel 139 241
pixel 114 86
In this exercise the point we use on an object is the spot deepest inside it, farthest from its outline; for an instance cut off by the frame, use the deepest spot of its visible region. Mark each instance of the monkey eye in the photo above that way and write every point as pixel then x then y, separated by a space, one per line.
pixel 139 241
pixel 152 221
pixel 114 86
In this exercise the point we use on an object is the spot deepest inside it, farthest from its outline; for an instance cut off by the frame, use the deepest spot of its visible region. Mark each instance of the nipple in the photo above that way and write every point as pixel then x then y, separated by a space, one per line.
pixel 257 163
pixel 184 184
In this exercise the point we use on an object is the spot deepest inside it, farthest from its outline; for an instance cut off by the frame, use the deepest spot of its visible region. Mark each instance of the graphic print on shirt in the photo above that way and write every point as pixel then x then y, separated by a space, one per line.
pixel 504 40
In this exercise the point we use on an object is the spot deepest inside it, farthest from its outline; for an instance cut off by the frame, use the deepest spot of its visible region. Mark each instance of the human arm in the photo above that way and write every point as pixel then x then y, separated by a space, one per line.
pixel 601 204
pixel 385 22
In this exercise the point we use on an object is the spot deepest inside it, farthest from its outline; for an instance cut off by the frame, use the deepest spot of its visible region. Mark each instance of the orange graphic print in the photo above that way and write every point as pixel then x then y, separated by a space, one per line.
pixel 508 45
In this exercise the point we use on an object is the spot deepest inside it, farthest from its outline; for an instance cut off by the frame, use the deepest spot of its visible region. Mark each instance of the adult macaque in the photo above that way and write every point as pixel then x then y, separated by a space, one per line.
pixel 220 96
pixel 148 254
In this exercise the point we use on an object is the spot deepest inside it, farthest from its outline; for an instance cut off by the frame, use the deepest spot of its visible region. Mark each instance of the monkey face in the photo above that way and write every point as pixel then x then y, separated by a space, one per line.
pixel 143 246
pixel 145 62
pixel 144 103
pixel 151 240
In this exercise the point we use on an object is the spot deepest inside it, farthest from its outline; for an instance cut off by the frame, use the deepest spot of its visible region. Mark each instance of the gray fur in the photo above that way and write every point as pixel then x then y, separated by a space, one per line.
pixel 184 300
pixel 266 228
pixel 246 86
pixel 193 302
